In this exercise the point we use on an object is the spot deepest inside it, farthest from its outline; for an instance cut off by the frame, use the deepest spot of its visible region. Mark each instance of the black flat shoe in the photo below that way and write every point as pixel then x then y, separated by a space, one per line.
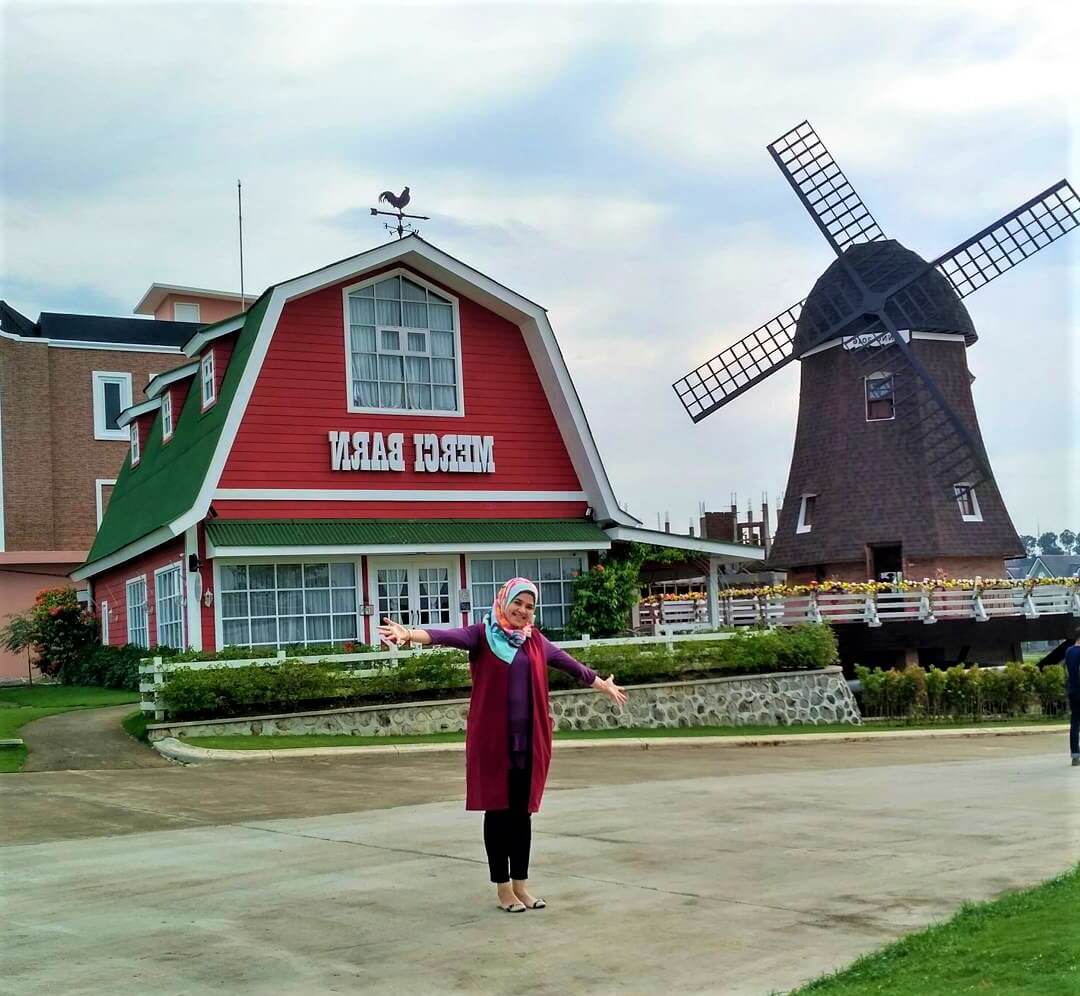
pixel 512 908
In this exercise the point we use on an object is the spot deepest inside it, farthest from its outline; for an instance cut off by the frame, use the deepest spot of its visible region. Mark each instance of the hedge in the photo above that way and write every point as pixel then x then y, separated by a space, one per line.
pixel 961 692
pixel 295 686
pixel 106 667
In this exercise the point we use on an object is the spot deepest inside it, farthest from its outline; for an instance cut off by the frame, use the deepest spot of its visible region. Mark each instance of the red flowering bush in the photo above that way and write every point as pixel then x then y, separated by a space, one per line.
pixel 59 630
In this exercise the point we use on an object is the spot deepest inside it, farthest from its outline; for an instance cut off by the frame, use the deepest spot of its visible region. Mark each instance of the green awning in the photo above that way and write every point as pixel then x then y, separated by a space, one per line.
pixel 225 533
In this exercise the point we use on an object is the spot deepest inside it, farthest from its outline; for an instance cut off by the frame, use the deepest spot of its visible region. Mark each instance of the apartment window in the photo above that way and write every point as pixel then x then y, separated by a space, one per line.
pixel 112 394
pixel 968 502
pixel 554 576
pixel 806 514
pixel 275 605
pixel 105 624
pixel 169 607
pixel 166 417
pixel 879 397
pixel 404 349
pixel 103 489
pixel 185 311
pixel 133 429
pixel 209 384
pixel 138 631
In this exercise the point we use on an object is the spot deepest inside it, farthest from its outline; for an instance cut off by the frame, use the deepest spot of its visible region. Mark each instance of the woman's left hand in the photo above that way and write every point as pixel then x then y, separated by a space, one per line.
pixel 610 689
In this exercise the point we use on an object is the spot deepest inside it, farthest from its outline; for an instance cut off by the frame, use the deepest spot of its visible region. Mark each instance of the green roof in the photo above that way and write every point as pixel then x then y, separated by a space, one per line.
pixel 168 478
pixel 399 532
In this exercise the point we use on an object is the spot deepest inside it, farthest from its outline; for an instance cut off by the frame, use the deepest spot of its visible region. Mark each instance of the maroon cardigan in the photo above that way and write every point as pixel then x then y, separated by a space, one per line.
pixel 487 730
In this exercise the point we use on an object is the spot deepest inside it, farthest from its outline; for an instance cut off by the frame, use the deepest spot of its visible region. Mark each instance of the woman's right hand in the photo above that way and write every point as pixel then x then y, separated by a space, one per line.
pixel 393 632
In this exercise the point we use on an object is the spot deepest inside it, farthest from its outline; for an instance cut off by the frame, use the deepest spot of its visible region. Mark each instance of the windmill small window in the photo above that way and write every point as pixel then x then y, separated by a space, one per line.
pixel 806 513
pixel 969 504
pixel 879 397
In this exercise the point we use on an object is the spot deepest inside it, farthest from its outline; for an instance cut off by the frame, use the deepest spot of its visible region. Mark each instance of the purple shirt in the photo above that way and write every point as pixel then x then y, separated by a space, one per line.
pixel 470 638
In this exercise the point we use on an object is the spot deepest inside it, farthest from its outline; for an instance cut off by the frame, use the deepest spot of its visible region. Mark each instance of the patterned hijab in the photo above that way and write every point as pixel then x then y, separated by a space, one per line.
pixel 502 638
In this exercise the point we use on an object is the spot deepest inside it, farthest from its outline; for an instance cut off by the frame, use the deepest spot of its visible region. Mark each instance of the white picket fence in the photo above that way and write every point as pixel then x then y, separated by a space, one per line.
pixel 153 672
pixel 876 608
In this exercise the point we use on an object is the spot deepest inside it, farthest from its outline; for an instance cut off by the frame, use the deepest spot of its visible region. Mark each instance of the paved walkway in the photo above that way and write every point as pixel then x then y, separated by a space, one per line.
pixel 689 870
pixel 86 739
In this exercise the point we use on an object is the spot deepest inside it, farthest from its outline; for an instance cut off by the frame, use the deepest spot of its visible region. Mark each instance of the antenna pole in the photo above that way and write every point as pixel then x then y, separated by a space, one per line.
pixel 240 223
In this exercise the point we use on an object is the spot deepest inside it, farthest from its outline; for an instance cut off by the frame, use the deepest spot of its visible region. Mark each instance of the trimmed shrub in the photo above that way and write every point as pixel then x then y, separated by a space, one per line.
pixel 293 685
pixel 107 667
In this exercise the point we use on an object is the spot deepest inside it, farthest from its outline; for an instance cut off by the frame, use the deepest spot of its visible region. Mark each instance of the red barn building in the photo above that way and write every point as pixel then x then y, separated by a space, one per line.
pixel 393 434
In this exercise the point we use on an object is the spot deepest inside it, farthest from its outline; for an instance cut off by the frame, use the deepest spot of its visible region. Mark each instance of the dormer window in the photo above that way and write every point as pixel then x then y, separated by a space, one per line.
pixel 209 383
pixel 133 429
pixel 404 349
pixel 806 514
pixel 880 397
pixel 969 504
pixel 166 417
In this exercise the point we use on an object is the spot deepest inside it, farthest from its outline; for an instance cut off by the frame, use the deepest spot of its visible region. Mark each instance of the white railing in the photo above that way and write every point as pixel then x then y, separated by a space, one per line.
pixel 153 672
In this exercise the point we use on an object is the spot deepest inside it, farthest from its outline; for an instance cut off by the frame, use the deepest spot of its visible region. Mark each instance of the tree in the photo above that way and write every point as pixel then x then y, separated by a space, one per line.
pixel 1067 538
pixel 1031 545
pixel 1048 543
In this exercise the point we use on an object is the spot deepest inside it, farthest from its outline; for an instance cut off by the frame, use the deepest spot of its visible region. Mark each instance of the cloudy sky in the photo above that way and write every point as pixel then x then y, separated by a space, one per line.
pixel 605 160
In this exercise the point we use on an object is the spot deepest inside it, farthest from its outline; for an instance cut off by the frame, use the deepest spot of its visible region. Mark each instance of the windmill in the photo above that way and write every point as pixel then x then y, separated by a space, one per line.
pixel 878 336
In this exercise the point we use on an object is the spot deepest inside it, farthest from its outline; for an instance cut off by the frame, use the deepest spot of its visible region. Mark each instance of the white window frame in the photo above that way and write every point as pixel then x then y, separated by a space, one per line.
pixel 145 608
pixel 478 610
pixel 186 304
pixel 99 379
pixel 313 558
pixel 976 515
pixel 104 624
pixel 177 569
pixel 878 375
pixel 167 426
pixel 412 564
pixel 804 526
pixel 99 495
pixel 403 330
pixel 133 442
pixel 207 379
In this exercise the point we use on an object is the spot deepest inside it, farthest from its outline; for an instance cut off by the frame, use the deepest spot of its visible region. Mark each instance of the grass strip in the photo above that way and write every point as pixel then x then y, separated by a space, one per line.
pixel 23 704
pixel 244 742
pixel 1022 944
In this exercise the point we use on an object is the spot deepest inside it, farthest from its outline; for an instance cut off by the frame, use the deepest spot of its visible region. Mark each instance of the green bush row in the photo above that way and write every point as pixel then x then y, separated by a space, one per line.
pixel 961 692
pixel 105 667
pixel 293 685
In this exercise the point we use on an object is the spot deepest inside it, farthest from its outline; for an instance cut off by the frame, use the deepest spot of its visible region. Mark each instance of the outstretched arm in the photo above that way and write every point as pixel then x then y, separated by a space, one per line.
pixel 394 632
pixel 559 658
pixel 457 639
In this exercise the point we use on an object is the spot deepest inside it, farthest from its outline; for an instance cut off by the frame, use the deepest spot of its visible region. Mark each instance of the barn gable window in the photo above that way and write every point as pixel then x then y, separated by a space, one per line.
pixel 879 397
pixel 166 417
pixel 404 348
pixel 968 502
pixel 806 514
pixel 209 380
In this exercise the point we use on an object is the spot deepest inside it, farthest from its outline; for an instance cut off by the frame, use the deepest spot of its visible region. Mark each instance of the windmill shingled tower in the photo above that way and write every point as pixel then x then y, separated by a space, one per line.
pixel 889 472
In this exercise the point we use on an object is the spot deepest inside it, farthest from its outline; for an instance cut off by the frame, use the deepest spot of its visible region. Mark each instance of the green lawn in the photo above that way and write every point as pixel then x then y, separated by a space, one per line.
pixel 242 742
pixel 23 704
pixel 1023 944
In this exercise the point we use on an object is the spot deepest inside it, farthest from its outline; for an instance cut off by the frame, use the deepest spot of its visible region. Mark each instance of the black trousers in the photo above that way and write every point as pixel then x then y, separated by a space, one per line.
pixel 1074 725
pixel 508 832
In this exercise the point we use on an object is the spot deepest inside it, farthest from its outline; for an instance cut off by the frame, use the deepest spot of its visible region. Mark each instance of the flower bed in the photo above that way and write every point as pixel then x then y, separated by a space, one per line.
pixel 873 587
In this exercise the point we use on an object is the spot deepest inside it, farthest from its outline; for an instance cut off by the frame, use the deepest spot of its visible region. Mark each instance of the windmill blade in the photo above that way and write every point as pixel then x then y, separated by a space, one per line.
pixel 1011 239
pixel 739 367
pixel 934 432
pixel 823 189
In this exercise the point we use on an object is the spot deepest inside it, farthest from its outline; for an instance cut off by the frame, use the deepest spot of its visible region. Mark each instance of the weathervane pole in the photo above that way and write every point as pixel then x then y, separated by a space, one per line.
pixel 240 223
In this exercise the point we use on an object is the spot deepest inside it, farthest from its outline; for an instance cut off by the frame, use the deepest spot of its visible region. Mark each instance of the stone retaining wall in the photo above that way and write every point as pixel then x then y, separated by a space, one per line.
pixel 765 699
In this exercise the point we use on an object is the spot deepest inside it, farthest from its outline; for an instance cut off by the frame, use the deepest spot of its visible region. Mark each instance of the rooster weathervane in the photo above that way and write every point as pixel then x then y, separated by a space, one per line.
pixel 400 202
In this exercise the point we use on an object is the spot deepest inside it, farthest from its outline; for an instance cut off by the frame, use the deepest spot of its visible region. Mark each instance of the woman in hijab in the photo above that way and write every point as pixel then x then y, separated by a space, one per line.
pixel 508 733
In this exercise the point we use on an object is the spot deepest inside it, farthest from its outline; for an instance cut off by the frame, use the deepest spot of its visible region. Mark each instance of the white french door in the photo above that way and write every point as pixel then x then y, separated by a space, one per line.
pixel 420 593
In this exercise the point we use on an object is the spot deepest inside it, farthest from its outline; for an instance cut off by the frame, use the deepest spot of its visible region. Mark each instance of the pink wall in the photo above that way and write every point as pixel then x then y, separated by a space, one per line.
pixel 211 309
pixel 17 592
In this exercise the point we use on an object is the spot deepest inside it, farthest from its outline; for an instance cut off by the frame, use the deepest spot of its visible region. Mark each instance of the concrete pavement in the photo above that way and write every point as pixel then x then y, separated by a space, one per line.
pixel 86 739
pixel 685 870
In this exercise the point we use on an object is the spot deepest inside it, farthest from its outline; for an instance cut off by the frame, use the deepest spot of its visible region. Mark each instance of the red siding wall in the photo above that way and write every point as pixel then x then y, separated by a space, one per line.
pixel 111 586
pixel 301 395
pixel 399 510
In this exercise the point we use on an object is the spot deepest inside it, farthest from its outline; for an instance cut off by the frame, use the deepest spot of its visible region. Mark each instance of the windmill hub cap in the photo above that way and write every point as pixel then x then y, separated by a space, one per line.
pixel 928 305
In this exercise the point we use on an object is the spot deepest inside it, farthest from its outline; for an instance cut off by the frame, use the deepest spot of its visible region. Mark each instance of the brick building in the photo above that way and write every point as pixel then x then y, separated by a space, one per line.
pixel 64 380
